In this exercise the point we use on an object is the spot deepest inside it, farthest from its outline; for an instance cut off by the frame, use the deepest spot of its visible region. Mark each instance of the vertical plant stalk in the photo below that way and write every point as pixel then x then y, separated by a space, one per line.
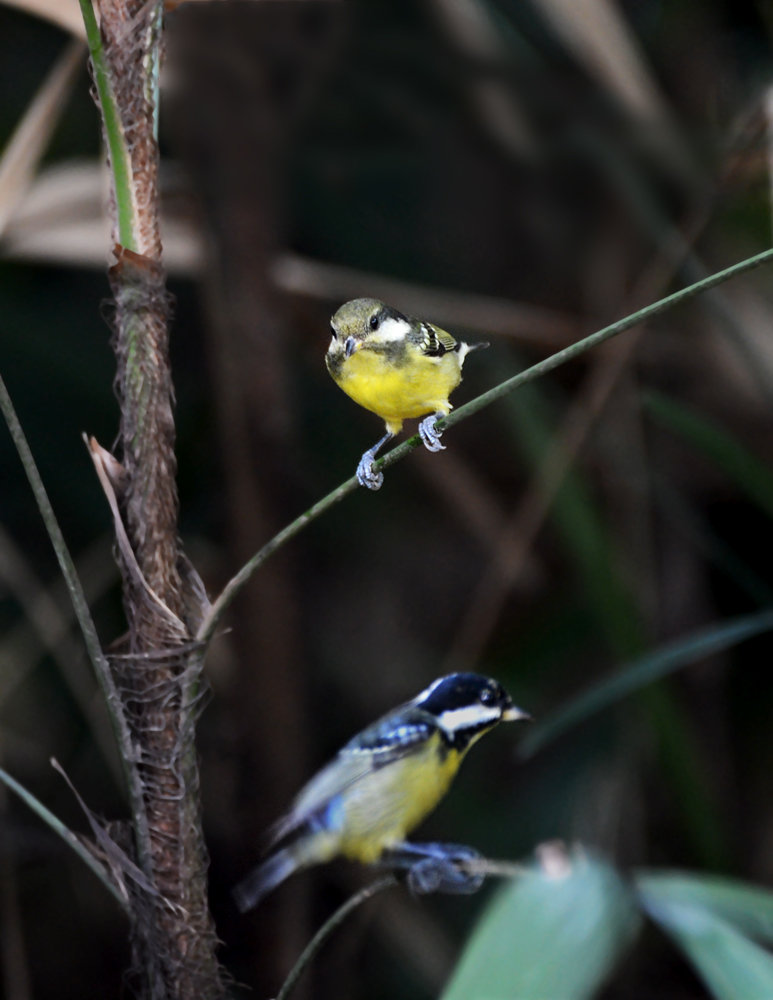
pixel 158 668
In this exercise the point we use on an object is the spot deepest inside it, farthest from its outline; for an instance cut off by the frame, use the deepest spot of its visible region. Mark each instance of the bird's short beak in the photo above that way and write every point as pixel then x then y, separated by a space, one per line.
pixel 512 714
pixel 350 346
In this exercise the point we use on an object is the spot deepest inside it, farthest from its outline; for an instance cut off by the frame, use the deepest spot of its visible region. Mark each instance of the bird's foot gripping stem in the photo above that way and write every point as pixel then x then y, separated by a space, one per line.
pixel 367 476
pixel 438 867
pixel 429 433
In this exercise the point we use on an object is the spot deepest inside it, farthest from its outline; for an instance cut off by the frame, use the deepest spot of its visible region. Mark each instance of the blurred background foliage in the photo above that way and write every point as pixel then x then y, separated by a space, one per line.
pixel 517 172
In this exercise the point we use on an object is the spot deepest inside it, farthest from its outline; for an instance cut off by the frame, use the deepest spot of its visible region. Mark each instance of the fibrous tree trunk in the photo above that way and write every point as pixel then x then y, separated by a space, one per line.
pixel 157 666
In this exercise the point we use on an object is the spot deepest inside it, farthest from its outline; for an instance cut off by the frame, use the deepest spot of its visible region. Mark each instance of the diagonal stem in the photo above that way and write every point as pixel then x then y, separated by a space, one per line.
pixel 79 602
pixel 237 582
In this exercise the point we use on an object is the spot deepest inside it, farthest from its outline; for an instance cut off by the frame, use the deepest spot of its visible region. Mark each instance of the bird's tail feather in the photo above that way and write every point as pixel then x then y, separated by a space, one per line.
pixel 264 879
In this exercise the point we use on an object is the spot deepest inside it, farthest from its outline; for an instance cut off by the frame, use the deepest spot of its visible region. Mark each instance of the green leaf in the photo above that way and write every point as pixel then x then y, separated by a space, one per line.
pixel 115 134
pixel 555 935
pixel 731 965
pixel 644 670
pixel 747 907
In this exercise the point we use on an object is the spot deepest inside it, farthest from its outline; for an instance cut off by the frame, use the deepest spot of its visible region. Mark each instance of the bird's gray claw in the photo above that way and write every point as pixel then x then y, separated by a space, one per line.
pixel 367 476
pixel 429 434
pixel 445 872
pixel 425 876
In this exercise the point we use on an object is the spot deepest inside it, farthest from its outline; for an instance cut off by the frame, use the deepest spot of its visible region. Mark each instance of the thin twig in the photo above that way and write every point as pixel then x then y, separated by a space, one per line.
pixel 311 949
pixel 493 868
pixel 575 350
pixel 236 583
pixel 78 599
pixel 66 834
pixel 522 528
pixel 474 866
pixel 47 625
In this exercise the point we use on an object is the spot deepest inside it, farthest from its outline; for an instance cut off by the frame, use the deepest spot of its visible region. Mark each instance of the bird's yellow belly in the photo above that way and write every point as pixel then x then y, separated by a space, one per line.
pixel 384 809
pixel 396 393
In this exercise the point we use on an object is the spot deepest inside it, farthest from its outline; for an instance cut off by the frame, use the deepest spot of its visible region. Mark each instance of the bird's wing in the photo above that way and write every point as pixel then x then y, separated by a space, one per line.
pixel 393 737
pixel 432 341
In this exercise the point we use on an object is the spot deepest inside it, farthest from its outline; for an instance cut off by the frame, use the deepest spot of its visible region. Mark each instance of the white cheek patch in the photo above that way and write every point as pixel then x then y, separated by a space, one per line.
pixel 391 329
pixel 333 344
pixel 462 350
pixel 468 717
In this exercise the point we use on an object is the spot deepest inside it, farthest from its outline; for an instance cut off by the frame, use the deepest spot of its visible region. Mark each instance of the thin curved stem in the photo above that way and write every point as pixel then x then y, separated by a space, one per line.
pixel 236 583
pixel 311 949
pixel 78 598
pixel 489 867
pixel 55 824
pixel 593 340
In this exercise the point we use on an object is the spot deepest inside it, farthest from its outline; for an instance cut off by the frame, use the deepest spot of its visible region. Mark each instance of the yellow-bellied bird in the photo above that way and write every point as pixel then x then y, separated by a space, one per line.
pixel 398 368
pixel 382 784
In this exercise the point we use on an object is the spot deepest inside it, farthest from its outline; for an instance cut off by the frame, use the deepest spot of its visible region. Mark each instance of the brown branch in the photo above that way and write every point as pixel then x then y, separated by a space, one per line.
pixel 159 669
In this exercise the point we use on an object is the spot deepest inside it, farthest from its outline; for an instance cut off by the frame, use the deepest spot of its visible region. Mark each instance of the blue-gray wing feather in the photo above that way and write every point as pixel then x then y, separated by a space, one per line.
pixel 391 738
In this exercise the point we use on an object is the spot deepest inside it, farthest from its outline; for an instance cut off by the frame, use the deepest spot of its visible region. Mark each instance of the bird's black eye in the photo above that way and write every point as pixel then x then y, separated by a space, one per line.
pixel 333 331
pixel 374 321
pixel 487 696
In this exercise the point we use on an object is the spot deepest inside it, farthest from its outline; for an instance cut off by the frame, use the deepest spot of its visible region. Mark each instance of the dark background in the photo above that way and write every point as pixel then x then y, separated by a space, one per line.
pixel 514 182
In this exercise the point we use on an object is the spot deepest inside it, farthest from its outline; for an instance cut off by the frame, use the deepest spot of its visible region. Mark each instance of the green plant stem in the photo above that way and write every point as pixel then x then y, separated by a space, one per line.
pixel 78 599
pixel 65 833
pixel 237 582
pixel 485 866
pixel 120 159
pixel 327 929
pixel 587 343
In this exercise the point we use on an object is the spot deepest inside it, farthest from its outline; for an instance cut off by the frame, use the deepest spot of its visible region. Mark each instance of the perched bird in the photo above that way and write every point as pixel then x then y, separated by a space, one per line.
pixel 398 368
pixel 382 784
